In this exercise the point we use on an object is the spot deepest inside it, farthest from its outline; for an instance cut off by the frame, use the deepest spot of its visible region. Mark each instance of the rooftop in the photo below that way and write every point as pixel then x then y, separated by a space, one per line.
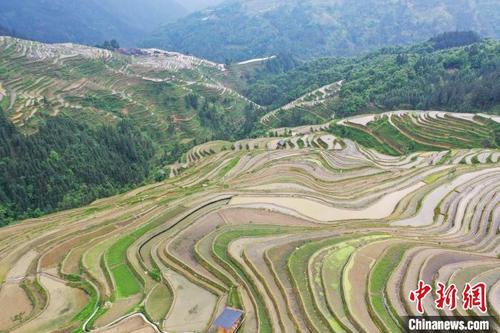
pixel 228 318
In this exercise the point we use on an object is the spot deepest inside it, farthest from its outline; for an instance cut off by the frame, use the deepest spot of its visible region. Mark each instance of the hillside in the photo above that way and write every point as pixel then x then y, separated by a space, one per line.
pixel 156 99
pixel 163 103
pixel 425 76
pixel 195 5
pixel 88 21
pixel 240 30
pixel 322 234
pixel 258 166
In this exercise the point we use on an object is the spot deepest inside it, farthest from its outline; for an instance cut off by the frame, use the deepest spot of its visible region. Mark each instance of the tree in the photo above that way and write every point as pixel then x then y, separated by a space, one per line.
pixel 109 45
pixel 114 44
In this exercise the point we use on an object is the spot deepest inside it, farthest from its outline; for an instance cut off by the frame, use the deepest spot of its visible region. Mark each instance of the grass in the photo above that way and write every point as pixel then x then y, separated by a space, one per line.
pixel 234 298
pixel 91 259
pixel 432 178
pixel 363 138
pixel 117 252
pixel 101 100
pixel 159 302
pixel 377 284
pixel 298 270
pixel 332 265
pixel 390 134
pixel 229 166
pixel 126 282
pixel 300 143
pixel 410 136
pixel 339 256
pixel 5 102
pixel 449 131
pixel 92 304
pixel 446 158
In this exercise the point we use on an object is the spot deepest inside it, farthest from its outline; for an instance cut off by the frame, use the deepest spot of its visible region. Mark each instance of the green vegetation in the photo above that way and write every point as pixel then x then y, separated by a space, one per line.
pixel 451 133
pixel 299 116
pixel 298 269
pixel 125 280
pixel 113 136
pixel 234 298
pixel 415 77
pixel 390 135
pixel 184 245
pixel 361 137
pixel 122 131
pixel 432 178
pixel 377 283
pixel 159 302
pixel 101 100
pixel 67 164
pixel 407 133
pixel 93 302
pixel 109 45
pixel 117 253
pixel 241 30
pixel 229 166
pixel 127 283
pixel 88 22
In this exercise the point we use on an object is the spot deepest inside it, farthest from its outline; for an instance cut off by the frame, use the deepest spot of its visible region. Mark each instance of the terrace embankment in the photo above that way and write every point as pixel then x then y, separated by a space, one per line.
pixel 312 232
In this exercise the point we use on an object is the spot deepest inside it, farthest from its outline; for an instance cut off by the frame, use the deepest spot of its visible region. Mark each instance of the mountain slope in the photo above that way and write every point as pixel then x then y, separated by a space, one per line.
pixel 81 112
pixel 194 5
pixel 239 30
pixel 424 76
pixel 87 21
pixel 90 123
pixel 335 222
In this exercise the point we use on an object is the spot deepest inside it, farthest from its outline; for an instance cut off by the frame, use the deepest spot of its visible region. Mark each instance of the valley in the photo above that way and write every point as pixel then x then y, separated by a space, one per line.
pixel 309 224
pixel 145 190
pixel 310 29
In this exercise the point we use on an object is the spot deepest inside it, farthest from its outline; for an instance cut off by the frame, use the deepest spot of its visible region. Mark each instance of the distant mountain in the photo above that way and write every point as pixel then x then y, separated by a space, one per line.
pixel 88 21
pixel 194 5
pixel 4 31
pixel 239 30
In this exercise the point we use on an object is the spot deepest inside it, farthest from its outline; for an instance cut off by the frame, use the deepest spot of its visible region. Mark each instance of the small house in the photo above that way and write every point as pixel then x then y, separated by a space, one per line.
pixel 281 144
pixel 229 320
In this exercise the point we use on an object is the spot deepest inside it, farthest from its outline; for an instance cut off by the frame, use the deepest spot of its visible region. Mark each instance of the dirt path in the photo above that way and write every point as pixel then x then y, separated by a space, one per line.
pixel 132 324
pixel 302 100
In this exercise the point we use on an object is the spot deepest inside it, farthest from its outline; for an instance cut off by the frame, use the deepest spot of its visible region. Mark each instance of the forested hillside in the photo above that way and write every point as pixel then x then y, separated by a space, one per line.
pixel 66 164
pixel 91 122
pixel 87 21
pixel 194 5
pixel 319 161
pixel 86 128
pixel 424 76
pixel 6 32
pixel 245 29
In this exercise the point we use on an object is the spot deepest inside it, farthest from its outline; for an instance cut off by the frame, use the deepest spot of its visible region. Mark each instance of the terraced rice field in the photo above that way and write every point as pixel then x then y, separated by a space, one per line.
pixel 320 234
pixel 98 86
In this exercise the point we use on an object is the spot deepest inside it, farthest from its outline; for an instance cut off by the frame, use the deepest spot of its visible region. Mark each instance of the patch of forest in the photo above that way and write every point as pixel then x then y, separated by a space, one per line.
pixel 431 75
pixel 67 164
